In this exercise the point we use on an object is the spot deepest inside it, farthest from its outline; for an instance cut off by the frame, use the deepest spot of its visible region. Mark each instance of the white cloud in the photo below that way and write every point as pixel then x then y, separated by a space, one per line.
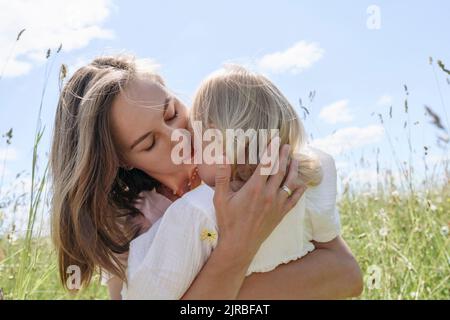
pixel 297 58
pixel 48 23
pixel 336 112
pixel 8 154
pixel 349 138
pixel 385 100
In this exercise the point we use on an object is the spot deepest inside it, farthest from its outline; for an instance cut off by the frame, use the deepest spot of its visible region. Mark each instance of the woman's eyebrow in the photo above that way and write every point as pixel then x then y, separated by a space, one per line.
pixel 145 135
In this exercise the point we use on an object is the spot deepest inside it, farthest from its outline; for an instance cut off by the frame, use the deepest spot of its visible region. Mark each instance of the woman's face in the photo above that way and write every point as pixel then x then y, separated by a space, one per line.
pixel 143 118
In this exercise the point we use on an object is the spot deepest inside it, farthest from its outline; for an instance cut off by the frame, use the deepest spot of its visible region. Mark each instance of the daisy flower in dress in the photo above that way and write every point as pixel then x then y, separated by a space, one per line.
pixel 208 235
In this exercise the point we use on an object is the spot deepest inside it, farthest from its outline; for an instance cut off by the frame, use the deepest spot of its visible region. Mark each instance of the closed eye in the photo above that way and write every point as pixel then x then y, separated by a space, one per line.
pixel 151 146
pixel 152 142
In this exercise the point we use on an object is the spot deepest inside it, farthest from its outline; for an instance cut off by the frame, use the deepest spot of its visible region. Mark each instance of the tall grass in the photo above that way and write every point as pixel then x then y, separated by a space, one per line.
pixel 28 264
pixel 399 233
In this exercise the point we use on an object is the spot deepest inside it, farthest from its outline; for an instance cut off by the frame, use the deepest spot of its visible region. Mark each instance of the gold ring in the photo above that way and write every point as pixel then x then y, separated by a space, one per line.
pixel 286 188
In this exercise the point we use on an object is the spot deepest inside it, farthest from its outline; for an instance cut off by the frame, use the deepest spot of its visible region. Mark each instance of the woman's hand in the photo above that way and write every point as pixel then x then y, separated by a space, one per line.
pixel 247 217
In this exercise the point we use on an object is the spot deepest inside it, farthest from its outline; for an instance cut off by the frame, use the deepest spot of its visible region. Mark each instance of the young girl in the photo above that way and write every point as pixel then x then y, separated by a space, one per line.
pixel 164 261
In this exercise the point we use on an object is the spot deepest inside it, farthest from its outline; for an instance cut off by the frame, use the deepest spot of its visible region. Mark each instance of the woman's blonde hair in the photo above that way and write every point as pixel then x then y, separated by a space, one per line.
pixel 93 196
pixel 236 98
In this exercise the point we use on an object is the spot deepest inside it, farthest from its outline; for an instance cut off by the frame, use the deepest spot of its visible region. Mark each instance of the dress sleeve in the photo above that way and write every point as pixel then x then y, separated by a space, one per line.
pixel 184 241
pixel 321 206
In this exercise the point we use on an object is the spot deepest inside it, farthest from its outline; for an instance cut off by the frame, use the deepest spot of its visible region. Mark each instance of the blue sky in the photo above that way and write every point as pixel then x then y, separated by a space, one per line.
pixel 355 71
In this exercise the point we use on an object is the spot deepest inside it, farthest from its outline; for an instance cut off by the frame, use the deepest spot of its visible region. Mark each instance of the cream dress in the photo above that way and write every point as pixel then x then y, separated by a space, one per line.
pixel 164 261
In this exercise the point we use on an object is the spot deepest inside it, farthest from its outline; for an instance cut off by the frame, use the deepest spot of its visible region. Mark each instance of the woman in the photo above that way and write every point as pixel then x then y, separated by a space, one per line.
pixel 109 147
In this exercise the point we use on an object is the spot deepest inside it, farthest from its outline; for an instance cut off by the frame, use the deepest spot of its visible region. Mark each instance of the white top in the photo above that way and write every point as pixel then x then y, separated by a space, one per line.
pixel 164 261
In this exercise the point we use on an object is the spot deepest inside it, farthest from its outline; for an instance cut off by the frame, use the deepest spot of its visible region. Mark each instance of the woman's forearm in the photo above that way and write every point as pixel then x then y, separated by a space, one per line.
pixel 221 277
pixel 329 272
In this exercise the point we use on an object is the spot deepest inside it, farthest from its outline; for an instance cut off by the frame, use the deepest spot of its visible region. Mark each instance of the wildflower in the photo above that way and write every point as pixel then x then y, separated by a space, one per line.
pixel 384 232
pixel 395 193
pixel 409 266
pixel 414 294
pixel 208 235
pixel 62 72
pixel 382 213
pixel 444 231
pixel 433 207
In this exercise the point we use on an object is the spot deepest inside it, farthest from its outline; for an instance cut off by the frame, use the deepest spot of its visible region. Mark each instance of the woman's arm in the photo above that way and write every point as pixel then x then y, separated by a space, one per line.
pixel 328 272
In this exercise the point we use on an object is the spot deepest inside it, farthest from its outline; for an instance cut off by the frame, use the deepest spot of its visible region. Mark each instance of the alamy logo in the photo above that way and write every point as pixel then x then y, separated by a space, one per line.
pixel 210 146
pixel 73 281
pixel 374 19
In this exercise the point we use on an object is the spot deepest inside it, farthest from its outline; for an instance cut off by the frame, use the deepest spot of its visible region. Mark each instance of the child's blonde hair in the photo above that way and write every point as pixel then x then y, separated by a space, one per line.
pixel 236 98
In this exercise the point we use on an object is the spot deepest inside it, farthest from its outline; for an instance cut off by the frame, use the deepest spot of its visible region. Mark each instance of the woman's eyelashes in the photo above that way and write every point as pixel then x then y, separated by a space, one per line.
pixel 151 146
pixel 169 116
pixel 152 142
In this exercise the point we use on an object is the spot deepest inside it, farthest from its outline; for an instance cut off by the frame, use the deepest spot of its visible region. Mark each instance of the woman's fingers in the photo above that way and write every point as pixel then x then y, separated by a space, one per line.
pixel 258 180
pixel 236 185
pixel 292 200
pixel 291 180
pixel 294 183
pixel 275 180
pixel 222 183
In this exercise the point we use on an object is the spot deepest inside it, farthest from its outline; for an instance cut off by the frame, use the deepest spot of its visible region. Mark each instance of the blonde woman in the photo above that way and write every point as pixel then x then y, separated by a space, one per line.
pixel 111 154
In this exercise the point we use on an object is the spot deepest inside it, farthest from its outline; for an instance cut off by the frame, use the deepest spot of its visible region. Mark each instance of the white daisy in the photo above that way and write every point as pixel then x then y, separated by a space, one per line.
pixel 384 232
pixel 444 231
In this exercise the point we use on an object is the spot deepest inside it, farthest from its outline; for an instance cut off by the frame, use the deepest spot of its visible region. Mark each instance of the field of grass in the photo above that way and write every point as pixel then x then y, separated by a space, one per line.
pixel 400 236
pixel 401 243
